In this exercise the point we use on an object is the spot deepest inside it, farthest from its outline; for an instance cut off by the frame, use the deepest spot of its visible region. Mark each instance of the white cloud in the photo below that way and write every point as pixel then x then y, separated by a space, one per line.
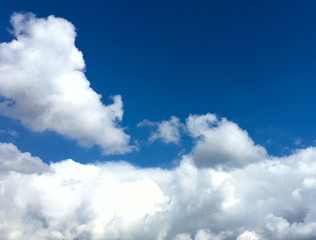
pixel 183 236
pixel 147 123
pixel 11 159
pixel 10 132
pixel 70 200
pixel 248 236
pixel 42 84
pixel 41 79
pixel 218 142
pixel 167 131
pixel 221 142
pixel 201 234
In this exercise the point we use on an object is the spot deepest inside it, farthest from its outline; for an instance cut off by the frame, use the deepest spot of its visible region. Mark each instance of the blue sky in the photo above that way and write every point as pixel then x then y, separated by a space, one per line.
pixel 251 62
pixel 205 129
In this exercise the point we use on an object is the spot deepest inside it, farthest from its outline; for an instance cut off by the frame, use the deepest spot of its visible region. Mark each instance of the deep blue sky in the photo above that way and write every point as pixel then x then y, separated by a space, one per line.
pixel 250 61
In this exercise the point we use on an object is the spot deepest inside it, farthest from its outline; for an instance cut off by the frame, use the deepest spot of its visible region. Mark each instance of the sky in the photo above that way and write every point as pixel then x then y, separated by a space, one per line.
pixel 180 120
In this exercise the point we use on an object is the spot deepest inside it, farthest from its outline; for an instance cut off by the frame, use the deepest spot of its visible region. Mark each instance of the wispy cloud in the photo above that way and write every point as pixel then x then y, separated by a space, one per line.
pixel 10 132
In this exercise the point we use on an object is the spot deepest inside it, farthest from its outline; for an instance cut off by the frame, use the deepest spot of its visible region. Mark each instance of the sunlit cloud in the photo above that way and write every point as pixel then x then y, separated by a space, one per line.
pixel 42 84
pixel 69 200
pixel 226 187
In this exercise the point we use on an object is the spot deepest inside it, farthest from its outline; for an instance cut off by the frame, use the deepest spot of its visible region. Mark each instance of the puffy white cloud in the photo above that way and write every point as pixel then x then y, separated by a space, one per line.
pixel 218 142
pixel 247 236
pixel 116 200
pixel 11 159
pixel 221 142
pixel 42 84
pixel 183 236
pixel 167 131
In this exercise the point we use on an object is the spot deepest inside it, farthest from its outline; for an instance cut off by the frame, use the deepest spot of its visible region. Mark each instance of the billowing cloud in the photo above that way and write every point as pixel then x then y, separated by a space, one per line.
pixel 221 142
pixel 269 199
pixel 11 159
pixel 218 142
pixel 167 131
pixel 248 236
pixel 42 84
pixel 201 234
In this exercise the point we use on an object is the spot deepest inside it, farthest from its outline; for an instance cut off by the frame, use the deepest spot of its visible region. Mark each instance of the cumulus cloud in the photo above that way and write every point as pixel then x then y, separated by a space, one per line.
pixel 42 84
pixel 218 142
pixel 167 131
pixel 268 199
pixel 221 142
pixel 248 236
pixel 11 159
pixel 202 234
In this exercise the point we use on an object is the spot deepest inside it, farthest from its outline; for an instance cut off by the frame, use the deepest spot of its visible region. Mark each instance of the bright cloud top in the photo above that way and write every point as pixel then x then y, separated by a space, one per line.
pixel 42 84
pixel 218 142
pixel 269 199
pixel 221 142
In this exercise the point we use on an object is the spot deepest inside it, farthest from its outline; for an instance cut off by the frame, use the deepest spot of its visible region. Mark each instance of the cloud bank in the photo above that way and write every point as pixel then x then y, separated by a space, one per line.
pixel 42 84
pixel 272 198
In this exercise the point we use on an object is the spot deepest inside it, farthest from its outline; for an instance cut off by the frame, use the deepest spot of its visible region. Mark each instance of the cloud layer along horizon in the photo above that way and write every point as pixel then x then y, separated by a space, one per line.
pixel 42 84
pixel 272 198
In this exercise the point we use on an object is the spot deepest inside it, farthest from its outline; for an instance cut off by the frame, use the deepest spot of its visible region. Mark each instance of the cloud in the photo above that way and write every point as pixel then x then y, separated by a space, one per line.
pixel 221 142
pixel 226 188
pixel 298 141
pixel 202 234
pixel 167 131
pixel 11 159
pixel 218 142
pixel 9 132
pixel 147 123
pixel 248 236
pixel 268 199
pixel 42 84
